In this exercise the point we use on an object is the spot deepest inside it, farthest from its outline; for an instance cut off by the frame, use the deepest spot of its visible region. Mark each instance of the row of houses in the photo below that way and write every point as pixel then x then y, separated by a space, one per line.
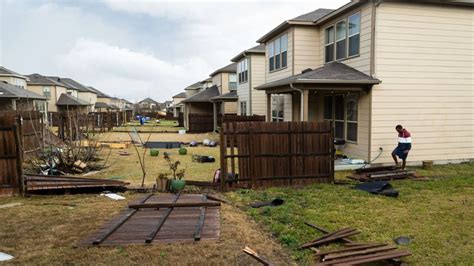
pixel 50 94
pixel 366 67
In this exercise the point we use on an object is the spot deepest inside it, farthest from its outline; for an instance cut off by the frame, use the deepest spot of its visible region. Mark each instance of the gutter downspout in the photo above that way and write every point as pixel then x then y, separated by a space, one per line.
pixel 301 100
pixel 249 69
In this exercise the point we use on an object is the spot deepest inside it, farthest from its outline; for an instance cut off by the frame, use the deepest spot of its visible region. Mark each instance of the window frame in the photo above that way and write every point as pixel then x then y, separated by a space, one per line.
pixel 232 88
pixel 272 47
pixel 243 108
pixel 49 91
pixel 345 120
pixel 347 38
pixel 277 118
pixel 243 70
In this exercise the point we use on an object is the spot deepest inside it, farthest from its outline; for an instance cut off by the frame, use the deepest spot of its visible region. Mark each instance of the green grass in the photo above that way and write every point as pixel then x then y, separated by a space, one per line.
pixel 438 215
pixel 164 125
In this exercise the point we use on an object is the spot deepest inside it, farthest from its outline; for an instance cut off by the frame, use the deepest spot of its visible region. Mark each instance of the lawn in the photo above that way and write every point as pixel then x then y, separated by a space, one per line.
pixel 438 215
pixel 152 125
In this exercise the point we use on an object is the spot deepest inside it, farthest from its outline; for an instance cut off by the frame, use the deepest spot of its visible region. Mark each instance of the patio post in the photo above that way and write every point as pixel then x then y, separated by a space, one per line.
pixel 269 107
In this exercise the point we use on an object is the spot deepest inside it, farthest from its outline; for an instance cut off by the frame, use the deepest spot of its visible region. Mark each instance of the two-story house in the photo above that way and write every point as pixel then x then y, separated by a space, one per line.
pixel 84 93
pixel 12 77
pixel 371 65
pixel 176 105
pixel 148 104
pixel 104 101
pixel 47 87
pixel 250 74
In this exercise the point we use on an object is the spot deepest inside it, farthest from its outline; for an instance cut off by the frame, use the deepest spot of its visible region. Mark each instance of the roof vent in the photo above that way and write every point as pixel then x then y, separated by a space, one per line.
pixel 306 70
pixel 4 82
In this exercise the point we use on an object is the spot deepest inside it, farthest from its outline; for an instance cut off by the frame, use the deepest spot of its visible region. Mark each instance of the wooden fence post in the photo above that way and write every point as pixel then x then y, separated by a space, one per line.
pixel 19 159
pixel 223 146
pixel 252 155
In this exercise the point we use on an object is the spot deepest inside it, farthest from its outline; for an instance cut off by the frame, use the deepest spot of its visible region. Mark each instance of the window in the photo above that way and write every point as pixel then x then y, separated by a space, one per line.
pixel 47 92
pixel 329 44
pixel 278 53
pixel 354 34
pixel 277 108
pixel 271 58
pixel 351 117
pixel 342 110
pixel 232 81
pixel 341 40
pixel 243 108
pixel 243 70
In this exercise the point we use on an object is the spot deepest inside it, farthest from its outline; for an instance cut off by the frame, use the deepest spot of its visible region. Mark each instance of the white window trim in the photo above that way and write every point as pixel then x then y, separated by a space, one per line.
pixel 281 52
pixel 334 25
pixel 333 42
pixel 345 121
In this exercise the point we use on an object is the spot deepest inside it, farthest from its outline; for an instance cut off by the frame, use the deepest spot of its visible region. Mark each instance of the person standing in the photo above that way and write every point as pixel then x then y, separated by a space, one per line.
pixel 403 147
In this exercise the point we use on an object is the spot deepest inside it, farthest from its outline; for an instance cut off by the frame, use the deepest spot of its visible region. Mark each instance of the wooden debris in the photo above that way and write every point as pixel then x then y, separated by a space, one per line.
pixel 256 256
pixel 331 237
pixel 152 235
pixel 46 182
pixel 216 198
pixel 360 259
pixel 323 230
pixel 200 224
pixel 174 205
pixel 382 173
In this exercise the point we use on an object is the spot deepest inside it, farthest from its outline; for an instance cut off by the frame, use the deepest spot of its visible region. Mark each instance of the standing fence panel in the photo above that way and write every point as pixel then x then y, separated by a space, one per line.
pixel 201 123
pixel 10 161
pixel 265 154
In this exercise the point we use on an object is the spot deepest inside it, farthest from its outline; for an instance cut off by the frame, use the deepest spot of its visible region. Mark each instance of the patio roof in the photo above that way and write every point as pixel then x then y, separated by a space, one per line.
pixel 11 91
pixel 331 73
pixel 66 99
pixel 203 96
pixel 226 97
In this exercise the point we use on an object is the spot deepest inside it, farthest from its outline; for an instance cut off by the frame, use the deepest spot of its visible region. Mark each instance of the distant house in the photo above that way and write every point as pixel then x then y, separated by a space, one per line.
pixel 11 77
pixel 84 93
pixel 104 101
pixel 69 103
pixel 226 81
pixel 368 66
pixel 15 98
pixel 250 74
pixel 200 103
pixel 167 105
pixel 148 105
pixel 49 88
pixel 177 107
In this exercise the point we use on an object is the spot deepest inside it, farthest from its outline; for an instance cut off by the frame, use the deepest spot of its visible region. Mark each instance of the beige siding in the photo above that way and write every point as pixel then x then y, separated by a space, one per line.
pixel 306 48
pixel 287 112
pixel 424 57
pixel 282 73
pixel 177 100
pixel 230 107
pixel 360 150
pixel 362 61
pixel 257 76
pixel 243 90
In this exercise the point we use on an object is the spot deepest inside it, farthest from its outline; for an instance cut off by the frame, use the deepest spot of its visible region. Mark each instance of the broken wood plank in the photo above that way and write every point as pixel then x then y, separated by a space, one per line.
pixel 352 248
pixel 323 230
pixel 376 168
pixel 200 224
pixel 255 255
pixel 216 198
pixel 111 230
pixel 174 205
pixel 358 252
pixel 328 239
pixel 152 235
pixel 367 258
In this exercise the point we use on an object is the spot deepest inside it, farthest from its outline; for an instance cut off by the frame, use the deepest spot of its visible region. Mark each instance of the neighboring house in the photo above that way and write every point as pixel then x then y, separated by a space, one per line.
pixel 104 101
pixel 200 103
pixel 69 103
pixel 167 105
pixel 84 93
pixel 127 104
pixel 226 81
pixel 371 65
pixel 11 77
pixel 250 74
pixel 177 107
pixel 148 104
pixel 13 97
pixel 47 87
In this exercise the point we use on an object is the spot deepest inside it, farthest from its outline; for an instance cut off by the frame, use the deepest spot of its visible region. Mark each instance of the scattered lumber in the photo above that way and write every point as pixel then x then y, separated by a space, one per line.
pixel 216 198
pixel 256 256
pixel 174 205
pixel 331 237
pixel 49 182
pixel 365 258
pixel 323 230
pixel 382 173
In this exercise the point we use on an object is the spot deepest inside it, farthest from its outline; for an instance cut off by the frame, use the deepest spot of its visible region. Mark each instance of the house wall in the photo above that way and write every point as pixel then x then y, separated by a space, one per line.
pixel 104 100
pixel 362 61
pixel 257 78
pixel 6 104
pixel 243 89
pixel 307 53
pixel 200 108
pixel 92 99
pixel 56 92
pixel 229 107
pixel 14 81
pixel 424 57
pixel 177 100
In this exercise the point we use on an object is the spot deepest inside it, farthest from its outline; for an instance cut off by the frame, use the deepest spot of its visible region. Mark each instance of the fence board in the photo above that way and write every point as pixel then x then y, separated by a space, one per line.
pixel 277 154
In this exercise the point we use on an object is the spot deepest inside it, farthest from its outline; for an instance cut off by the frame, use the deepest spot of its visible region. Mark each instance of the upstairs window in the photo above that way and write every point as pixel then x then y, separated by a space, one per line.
pixel 354 34
pixel 329 44
pixel 232 81
pixel 341 40
pixel 243 71
pixel 278 53
pixel 47 92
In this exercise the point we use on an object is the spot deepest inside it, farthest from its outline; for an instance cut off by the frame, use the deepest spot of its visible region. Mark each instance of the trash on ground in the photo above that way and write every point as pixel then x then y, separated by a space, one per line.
pixel 113 196
pixel 273 203
pixel 378 187
pixel 402 240
pixel 256 256
pixel 12 204
pixel 123 153
pixel 203 159
pixel 5 256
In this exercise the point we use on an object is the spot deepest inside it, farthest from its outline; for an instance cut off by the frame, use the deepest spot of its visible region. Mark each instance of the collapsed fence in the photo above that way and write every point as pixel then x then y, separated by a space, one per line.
pixel 264 154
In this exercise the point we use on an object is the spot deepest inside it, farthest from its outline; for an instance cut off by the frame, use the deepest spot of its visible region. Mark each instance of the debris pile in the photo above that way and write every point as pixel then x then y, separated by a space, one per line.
pixel 382 173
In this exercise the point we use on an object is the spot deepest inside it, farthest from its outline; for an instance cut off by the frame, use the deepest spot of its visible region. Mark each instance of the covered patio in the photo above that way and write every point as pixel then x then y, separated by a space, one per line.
pixel 334 92
pixel 224 104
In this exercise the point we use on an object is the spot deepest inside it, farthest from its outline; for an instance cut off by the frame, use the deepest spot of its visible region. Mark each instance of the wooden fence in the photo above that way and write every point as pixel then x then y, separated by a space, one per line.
pixel 264 154
pixel 199 123
pixel 30 127
pixel 10 161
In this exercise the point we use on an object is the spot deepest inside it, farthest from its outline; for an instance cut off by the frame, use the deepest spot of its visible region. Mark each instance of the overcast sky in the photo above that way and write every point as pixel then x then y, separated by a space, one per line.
pixel 136 49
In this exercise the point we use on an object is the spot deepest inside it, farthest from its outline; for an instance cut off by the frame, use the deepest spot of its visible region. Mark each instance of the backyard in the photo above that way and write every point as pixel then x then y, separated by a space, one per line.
pixel 437 215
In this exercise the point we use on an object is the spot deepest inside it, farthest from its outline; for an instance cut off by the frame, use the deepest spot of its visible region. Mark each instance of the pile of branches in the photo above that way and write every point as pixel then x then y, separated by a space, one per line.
pixel 74 157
